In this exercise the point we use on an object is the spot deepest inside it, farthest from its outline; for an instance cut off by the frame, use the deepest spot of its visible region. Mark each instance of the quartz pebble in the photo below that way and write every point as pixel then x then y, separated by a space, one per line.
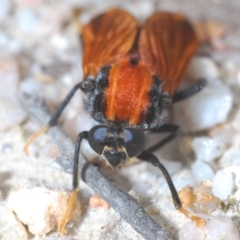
pixel 40 208
pixel 230 70
pixel 206 109
pixel 201 171
pixel 224 134
pixel 97 202
pixel 10 227
pixel 222 184
pixel 4 9
pixel 217 227
pixel 31 86
pixel 11 114
pixel 9 77
pixel 27 20
pixel 207 149
pixel 202 68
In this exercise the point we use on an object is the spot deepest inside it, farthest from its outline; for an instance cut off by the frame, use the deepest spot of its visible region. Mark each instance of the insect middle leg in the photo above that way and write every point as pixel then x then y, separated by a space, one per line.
pixel 55 117
pixel 174 131
pixel 75 183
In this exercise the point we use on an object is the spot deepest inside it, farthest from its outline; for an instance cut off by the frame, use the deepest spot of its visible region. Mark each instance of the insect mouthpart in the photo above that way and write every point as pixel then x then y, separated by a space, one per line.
pixel 115 156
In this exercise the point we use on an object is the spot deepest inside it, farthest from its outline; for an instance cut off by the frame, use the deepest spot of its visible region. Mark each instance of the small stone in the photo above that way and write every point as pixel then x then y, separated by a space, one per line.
pixel 237 195
pixel 141 9
pixel 222 184
pixel 141 189
pixel 97 202
pixel 199 198
pixel 31 86
pixel 230 158
pixel 212 32
pixel 40 208
pixel 187 196
pixel 27 20
pixel 9 77
pixel 233 170
pixel 224 133
pixel 6 148
pixel 202 68
pixel 190 231
pixel 230 70
pixel 204 110
pixel 181 182
pixel 10 227
pixel 11 114
pixel 202 171
pixel 207 149
pixel 49 150
pixel 217 227
pixel 4 9
pixel 221 227
pixel 133 194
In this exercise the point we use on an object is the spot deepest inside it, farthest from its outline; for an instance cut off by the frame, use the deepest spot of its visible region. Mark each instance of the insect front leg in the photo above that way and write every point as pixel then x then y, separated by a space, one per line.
pixel 75 184
pixel 55 117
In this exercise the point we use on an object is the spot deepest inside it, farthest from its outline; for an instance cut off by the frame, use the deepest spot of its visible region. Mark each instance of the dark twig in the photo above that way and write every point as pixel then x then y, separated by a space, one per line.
pixel 124 204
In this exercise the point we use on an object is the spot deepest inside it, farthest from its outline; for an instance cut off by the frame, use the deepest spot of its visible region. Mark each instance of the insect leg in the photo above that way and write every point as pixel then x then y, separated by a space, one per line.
pixel 54 119
pixel 174 131
pixel 151 158
pixel 75 184
pixel 179 96
pixel 56 115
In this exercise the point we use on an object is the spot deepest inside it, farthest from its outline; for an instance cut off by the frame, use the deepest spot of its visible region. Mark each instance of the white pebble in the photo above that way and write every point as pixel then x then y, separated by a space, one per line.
pixel 10 227
pixel 237 195
pixel 224 134
pixel 202 171
pixel 181 182
pixel 202 67
pixel 230 70
pixel 222 184
pixel 207 149
pixel 221 227
pixel 141 189
pixel 31 86
pixel 217 228
pixel 235 171
pixel 190 231
pixel 9 46
pixel 231 157
pixel 9 77
pixel 27 20
pixel 141 9
pixel 11 114
pixel 39 208
pixel 4 9
pixel 206 109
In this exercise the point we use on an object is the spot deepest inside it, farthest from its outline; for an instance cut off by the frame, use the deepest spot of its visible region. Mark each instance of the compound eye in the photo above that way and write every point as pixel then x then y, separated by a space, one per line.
pixel 97 138
pixel 134 141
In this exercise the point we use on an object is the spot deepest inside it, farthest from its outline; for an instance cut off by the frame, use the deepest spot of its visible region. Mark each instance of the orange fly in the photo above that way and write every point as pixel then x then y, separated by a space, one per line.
pixel 131 75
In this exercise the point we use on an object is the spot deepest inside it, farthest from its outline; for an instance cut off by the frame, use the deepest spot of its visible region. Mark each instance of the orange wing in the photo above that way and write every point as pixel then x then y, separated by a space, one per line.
pixel 167 43
pixel 106 38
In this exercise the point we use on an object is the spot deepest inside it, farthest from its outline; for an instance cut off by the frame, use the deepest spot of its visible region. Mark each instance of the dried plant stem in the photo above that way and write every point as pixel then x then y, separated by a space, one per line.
pixel 124 204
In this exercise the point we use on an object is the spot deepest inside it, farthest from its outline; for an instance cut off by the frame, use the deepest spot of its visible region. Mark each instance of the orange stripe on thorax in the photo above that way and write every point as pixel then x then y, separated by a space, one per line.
pixel 127 94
